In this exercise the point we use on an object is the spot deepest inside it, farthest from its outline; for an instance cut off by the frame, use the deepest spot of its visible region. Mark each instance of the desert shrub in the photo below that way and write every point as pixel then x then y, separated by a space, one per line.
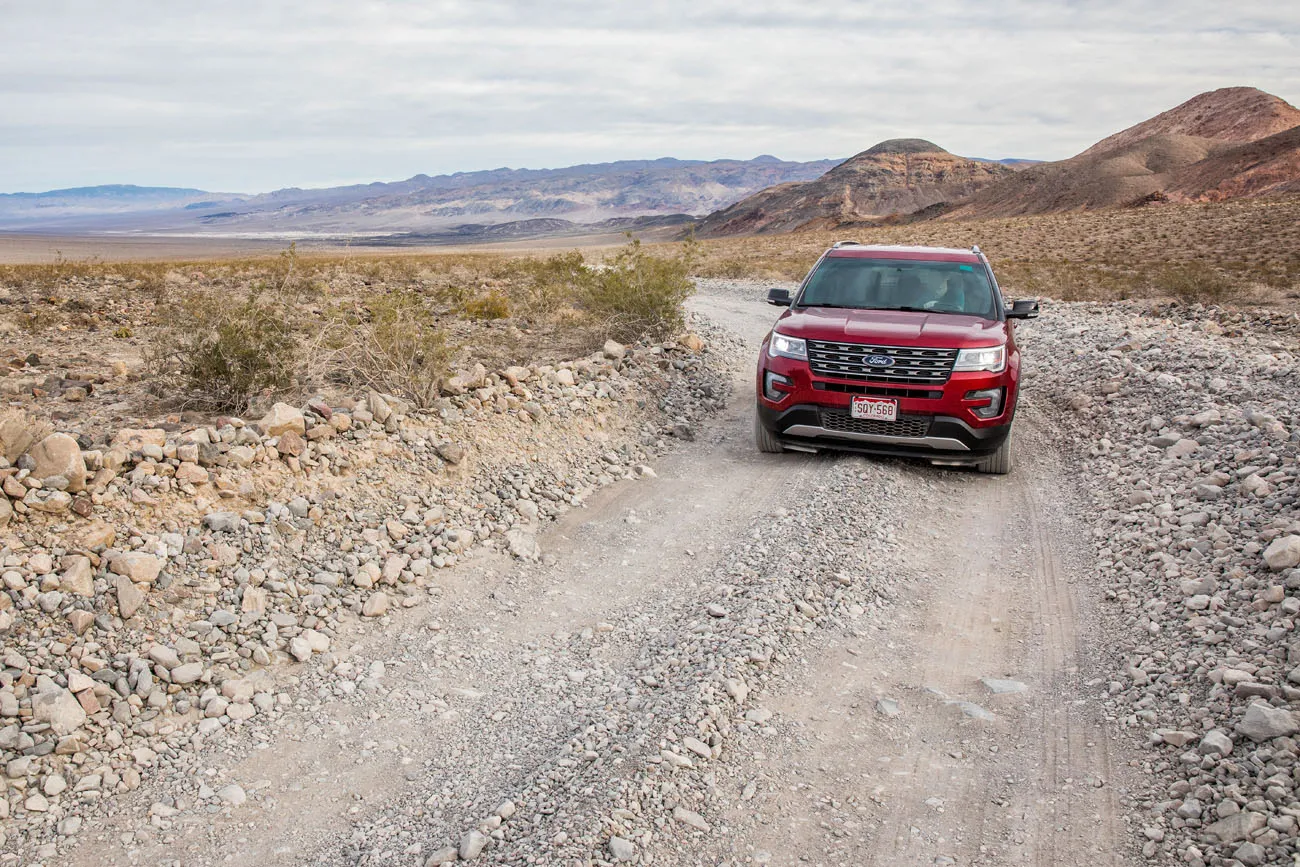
pixel 637 295
pixel 222 356
pixel 547 290
pixel 393 345
pixel 492 305
pixel 1193 282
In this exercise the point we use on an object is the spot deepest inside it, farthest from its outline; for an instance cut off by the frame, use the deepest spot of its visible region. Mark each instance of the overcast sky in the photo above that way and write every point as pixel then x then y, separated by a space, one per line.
pixel 252 96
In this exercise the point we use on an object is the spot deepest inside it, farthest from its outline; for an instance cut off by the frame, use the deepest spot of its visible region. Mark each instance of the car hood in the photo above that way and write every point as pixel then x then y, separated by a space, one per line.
pixel 891 327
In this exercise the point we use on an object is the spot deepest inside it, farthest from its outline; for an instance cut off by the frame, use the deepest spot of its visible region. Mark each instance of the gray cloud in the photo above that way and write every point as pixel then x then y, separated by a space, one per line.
pixel 252 96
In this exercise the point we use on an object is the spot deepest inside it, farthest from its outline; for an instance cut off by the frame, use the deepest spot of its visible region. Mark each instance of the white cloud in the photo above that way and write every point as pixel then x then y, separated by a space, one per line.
pixel 252 96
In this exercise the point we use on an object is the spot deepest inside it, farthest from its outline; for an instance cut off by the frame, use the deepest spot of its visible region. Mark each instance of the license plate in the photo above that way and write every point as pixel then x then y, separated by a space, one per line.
pixel 875 408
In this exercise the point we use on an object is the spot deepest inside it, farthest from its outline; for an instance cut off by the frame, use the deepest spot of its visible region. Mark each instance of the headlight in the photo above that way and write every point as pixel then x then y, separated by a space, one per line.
pixel 787 347
pixel 991 358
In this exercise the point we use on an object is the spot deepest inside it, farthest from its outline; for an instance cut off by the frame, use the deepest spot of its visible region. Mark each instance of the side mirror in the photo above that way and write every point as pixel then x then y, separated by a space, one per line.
pixel 1023 310
pixel 779 297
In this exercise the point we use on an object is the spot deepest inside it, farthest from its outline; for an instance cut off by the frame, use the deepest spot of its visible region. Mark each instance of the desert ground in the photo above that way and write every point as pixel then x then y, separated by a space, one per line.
pixel 548 605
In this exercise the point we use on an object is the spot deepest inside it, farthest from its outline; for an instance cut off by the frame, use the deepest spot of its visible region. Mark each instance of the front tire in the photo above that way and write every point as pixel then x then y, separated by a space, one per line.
pixel 999 463
pixel 766 441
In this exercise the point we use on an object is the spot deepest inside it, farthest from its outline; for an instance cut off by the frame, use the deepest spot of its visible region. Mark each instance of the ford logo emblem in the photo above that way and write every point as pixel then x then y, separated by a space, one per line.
pixel 878 361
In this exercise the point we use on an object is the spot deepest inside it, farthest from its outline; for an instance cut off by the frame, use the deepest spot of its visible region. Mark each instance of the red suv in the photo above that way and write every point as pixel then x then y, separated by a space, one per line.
pixel 897 351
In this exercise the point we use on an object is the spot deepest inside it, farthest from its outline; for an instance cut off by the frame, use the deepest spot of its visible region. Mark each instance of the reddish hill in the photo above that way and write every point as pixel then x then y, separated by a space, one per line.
pixel 895 176
pixel 1227 143
pixel 1237 114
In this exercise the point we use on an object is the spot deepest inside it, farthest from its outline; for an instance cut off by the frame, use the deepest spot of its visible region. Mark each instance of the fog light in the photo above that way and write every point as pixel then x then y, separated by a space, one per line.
pixel 771 381
pixel 987 410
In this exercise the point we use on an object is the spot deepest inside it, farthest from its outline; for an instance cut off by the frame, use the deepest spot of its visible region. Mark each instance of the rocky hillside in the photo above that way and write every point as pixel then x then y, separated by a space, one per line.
pixel 898 176
pixel 1231 143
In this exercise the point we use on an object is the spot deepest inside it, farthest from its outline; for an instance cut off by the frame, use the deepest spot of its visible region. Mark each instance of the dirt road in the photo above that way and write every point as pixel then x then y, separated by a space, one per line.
pixel 748 659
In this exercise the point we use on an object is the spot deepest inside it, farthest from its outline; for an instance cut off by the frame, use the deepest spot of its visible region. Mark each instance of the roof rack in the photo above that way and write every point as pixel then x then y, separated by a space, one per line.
pixel 839 244
pixel 975 248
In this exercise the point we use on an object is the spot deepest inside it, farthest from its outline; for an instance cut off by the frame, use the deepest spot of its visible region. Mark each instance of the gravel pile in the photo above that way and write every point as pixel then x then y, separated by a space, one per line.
pixel 161 591
pixel 1186 424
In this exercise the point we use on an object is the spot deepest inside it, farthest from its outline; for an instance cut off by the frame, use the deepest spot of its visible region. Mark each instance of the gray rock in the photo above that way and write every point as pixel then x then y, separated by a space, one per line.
pixel 445 855
pixel 472 845
pixel 1000 686
pixel 522 544
pixel 1250 854
pixel 221 522
pixel 1238 826
pixel 690 817
pixel 234 795
pixel 452 453
pixel 1283 553
pixel 1215 743
pixel 55 705
pixel 187 673
pixel 621 849
pixel 972 710
pixel 1264 722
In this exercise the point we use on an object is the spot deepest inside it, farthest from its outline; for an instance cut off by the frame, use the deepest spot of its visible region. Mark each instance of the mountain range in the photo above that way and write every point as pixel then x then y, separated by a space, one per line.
pixel 421 204
pixel 1229 143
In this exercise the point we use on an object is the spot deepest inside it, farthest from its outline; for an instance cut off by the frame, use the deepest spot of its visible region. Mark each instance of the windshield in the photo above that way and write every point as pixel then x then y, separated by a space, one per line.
pixel 900 284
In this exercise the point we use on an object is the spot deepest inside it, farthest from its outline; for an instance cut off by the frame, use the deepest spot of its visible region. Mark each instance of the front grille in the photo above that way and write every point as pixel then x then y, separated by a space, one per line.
pixel 906 426
pixel 914 364
pixel 879 390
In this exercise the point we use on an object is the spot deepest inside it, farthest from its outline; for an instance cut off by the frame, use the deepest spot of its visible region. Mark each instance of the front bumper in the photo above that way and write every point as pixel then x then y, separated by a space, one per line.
pixel 949 439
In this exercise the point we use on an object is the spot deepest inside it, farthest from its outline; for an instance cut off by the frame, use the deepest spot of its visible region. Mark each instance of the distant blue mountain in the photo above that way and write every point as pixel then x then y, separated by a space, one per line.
pixel 110 191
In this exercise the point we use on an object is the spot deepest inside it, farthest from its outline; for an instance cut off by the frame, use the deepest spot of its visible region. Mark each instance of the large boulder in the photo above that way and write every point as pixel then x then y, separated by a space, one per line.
pixel 59 455
pixel 283 418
